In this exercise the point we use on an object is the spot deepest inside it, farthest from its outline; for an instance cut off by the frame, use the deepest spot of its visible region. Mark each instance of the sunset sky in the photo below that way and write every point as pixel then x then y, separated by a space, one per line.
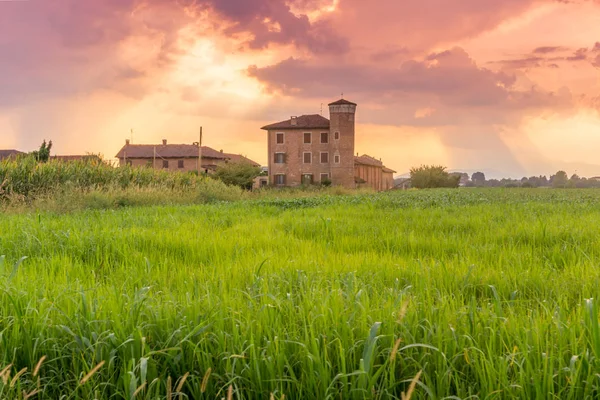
pixel 510 87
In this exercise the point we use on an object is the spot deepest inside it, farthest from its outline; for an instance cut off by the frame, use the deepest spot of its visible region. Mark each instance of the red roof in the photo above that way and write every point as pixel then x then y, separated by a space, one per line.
pixel 314 121
pixel 167 151
pixel 238 158
pixel 373 162
pixel 342 102
pixel 368 160
pixel 178 151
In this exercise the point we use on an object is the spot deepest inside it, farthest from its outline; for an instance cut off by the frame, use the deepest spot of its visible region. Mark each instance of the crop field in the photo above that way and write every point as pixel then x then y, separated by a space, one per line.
pixel 445 294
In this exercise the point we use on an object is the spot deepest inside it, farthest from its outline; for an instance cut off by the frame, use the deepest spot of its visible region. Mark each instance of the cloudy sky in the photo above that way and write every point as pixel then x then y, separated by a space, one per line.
pixel 511 87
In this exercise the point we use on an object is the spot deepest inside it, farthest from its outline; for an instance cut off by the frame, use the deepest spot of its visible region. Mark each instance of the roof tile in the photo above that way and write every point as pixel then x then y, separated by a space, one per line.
pixel 313 121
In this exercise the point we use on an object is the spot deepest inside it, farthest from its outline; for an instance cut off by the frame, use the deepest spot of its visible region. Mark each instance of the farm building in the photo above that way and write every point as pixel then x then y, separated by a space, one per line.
pixel 371 172
pixel 176 157
pixel 313 149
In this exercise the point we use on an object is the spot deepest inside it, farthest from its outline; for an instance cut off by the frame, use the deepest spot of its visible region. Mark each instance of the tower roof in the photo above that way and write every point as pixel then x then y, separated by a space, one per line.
pixel 314 121
pixel 341 102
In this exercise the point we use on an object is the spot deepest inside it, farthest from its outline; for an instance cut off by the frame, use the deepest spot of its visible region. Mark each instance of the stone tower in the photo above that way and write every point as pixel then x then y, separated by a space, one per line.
pixel 341 116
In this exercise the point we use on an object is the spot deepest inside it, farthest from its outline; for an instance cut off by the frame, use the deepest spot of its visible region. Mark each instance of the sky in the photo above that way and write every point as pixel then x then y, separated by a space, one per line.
pixel 508 87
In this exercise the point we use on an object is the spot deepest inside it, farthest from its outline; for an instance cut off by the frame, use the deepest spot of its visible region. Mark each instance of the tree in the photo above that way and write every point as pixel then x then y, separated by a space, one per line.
pixel 478 178
pixel 43 154
pixel 240 174
pixel 560 180
pixel 434 176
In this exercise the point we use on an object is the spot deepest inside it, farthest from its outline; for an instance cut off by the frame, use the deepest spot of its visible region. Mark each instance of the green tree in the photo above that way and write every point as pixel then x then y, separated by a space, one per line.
pixel 560 180
pixel 478 178
pixel 43 154
pixel 433 176
pixel 238 174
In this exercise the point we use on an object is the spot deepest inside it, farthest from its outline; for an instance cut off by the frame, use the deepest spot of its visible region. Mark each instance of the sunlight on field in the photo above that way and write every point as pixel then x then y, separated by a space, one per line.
pixel 485 291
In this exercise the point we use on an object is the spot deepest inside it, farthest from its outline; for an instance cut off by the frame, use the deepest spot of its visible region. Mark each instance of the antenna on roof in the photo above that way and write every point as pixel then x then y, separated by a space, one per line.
pixel 321 108
pixel 131 136
pixel 342 95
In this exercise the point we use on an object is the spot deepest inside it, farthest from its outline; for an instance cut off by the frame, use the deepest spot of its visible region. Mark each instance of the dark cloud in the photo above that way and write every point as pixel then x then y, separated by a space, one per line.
pixel 449 82
pixel 550 57
pixel 548 49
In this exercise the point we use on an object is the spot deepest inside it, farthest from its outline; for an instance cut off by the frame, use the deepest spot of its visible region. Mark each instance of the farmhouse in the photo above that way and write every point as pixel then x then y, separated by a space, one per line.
pixel 176 157
pixel 313 149
pixel 5 154
pixel 371 172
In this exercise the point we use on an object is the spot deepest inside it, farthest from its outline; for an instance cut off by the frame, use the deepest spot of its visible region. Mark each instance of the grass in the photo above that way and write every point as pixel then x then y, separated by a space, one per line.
pixel 445 294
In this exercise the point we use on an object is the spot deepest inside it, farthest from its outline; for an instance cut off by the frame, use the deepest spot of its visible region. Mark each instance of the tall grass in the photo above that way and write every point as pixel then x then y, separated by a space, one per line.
pixel 65 186
pixel 434 294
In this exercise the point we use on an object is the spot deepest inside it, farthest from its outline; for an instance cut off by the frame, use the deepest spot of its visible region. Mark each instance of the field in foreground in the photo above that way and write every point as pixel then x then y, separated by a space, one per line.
pixel 490 293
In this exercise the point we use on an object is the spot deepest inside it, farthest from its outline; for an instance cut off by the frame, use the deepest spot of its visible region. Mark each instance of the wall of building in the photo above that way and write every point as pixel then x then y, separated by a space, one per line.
pixel 294 148
pixel 371 174
pixel 387 180
pixel 342 120
pixel 189 164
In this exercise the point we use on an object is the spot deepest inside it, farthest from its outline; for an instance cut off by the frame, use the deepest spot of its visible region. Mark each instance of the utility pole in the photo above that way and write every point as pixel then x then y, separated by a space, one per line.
pixel 200 153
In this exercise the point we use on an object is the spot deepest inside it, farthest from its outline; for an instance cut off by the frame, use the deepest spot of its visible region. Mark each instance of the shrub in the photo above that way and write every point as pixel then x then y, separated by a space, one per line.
pixel 434 176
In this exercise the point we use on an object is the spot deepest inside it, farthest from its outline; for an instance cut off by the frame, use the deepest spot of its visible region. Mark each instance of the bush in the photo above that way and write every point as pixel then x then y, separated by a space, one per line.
pixel 238 174
pixel 434 176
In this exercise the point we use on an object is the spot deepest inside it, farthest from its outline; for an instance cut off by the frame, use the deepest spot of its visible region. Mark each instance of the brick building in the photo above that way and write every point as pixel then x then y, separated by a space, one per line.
pixel 370 172
pixel 176 157
pixel 313 149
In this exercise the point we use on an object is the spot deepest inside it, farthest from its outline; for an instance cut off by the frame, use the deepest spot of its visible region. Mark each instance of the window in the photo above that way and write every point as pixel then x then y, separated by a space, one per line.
pixel 280 138
pixel 280 179
pixel 307 179
pixel 324 137
pixel 324 158
pixel 279 158
pixel 307 158
pixel 307 138
pixel 165 163
pixel 179 163
pixel 336 159
pixel 336 136
pixel 324 177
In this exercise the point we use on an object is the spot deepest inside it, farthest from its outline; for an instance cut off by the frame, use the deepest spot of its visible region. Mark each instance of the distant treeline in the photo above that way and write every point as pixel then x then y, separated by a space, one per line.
pixel 558 180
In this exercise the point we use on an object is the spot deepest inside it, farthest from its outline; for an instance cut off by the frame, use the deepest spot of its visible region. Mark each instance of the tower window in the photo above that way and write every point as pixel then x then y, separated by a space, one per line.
pixel 336 136
pixel 307 138
pixel 324 158
pixel 279 158
pixel 307 158
pixel 336 159
pixel 280 139
pixel 324 137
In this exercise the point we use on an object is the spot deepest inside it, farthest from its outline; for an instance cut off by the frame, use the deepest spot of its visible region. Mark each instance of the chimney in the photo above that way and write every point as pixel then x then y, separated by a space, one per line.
pixel 221 150
pixel 294 121
pixel 164 142
pixel 127 142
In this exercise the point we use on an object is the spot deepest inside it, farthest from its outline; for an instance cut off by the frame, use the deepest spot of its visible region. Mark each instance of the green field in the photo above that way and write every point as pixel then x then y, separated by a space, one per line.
pixel 490 293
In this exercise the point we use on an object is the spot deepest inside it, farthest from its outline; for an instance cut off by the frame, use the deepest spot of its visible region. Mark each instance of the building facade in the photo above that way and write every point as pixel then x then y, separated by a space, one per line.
pixel 176 157
pixel 370 172
pixel 311 149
